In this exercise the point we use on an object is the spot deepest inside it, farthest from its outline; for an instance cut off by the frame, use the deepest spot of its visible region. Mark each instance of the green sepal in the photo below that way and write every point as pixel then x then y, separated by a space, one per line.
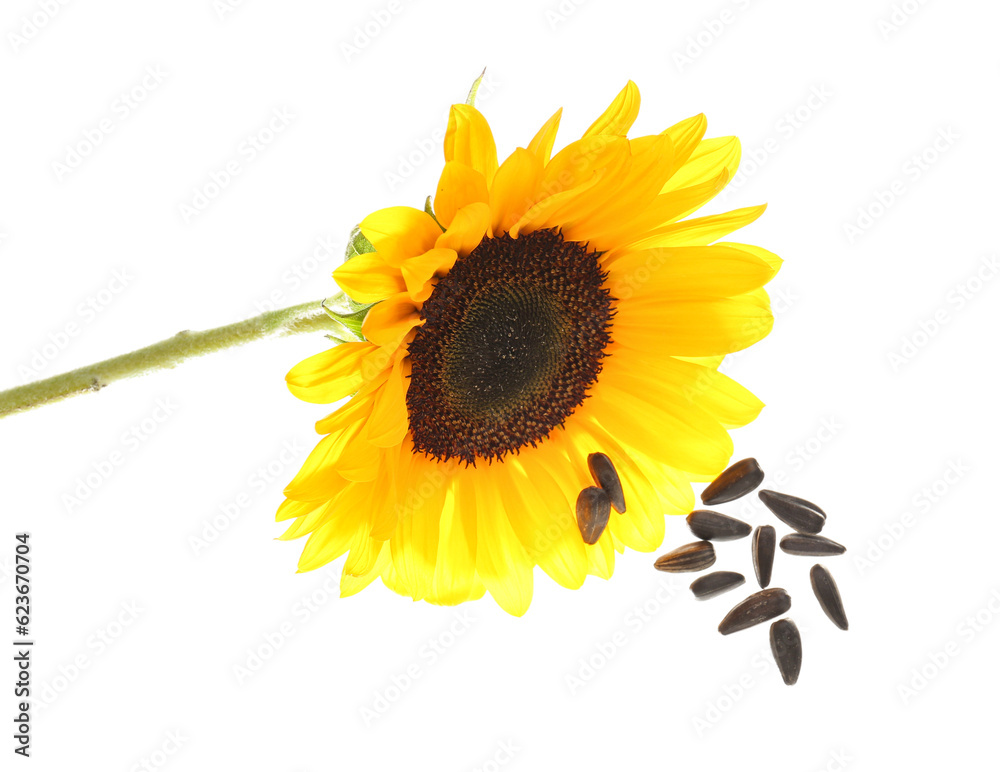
pixel 358 244
pixel 348 317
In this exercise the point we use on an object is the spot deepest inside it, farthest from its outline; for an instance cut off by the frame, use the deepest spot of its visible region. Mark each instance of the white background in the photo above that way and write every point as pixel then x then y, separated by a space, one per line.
pixel 879 378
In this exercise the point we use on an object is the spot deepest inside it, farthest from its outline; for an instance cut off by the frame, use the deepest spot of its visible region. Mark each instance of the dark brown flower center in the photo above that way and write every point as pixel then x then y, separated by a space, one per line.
pixel 512 339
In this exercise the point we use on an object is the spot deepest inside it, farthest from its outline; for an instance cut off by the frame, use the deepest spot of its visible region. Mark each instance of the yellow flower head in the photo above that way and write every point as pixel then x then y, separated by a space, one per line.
pixel 553 306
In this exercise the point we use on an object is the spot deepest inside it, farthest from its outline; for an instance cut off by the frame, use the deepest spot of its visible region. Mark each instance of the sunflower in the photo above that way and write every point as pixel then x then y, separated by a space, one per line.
pixel 545 309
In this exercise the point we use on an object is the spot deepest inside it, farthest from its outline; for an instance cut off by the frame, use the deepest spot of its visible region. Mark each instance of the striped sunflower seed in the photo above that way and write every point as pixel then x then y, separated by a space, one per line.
pixel 802 515
pixel 606 477
pixel 593 509
pixel 786 646
pixel 709 525
pixel 759 607
pixel 715 583
pixel 738 480
pixel 691 557
pixel 808 544
pixel 762 547
pixel 828 595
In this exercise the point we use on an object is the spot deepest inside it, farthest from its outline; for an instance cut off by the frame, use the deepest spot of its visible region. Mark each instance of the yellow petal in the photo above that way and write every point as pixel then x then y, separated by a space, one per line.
pixel 672 485
pixel 768 257
pixel 601 556
pixel 390 321
pixel 388 422
pixel 666 208
pixel 687 439
pixel 469 140
pixel 329 375
pixel 400 232
pixel 564 558
pixel 634 191
pixel 420 501
pixel 466 230
pixel 528 521
pixel 709 159
pixel 700 230
pixel 515 189
pixel 620 115
pixel 308 524
pixel 713 361
pixel 327 543
pixel 541 144
pixel 501 562
pixel 383 498
pixel 317 479
pixel 578 179
pixel 685 137
pixel 418 271
pixel 677 273
pixel 579 161
pixel 457 542
pixel 299 509
pixel 361 461
pixel 459 186
pixel 363 554
pixel 694 327
pixel 359 406
pixel 682 383
pixel 368 279
pixel 351 585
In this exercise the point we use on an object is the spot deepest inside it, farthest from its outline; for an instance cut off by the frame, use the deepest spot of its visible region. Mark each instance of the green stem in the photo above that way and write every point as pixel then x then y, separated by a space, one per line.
pixel 308 317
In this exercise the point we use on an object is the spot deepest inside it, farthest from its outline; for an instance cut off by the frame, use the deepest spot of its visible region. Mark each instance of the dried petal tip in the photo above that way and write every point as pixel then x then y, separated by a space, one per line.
pixel 606 477
pixel 828 595
pixel 691 557
pixel 716 583
pixel 593 509
pixel 802 515
pixel 759 607
pixel 786 646
pixel 738 480
pixel 706 524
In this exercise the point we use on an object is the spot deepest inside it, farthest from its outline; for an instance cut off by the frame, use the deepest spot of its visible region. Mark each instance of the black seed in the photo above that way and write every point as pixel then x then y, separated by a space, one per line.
pixel 715 583
pixel 808 544
pixel 764 539
pixel 802 515
pixel 690 557
pixel 786 646
pixel 738 480
pixel 592 512
pixel 604 474
pixel 759 607
pixel 706 524
pixel 828 595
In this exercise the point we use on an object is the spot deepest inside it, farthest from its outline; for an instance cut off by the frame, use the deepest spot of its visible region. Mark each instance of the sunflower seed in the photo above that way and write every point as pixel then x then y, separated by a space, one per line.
pixel 786 646
pixel 762 547
pixel 604 474
pixel 592 512
pixel 690 557
pixel 807 544
pixel 738 480
pixel 759 607
pixel 802 515
pixel 706 524
pixel 715 583
pixel 828 595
